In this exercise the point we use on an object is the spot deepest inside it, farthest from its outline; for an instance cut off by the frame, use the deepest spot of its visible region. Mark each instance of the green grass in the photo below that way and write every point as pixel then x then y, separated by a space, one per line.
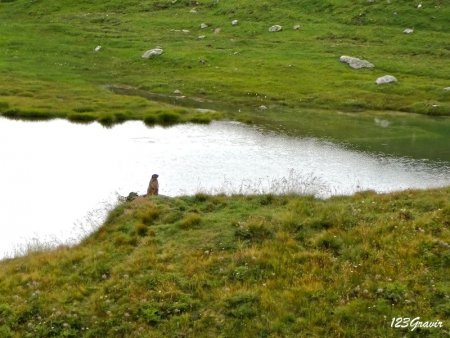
pixel 241 266
pixel 49 69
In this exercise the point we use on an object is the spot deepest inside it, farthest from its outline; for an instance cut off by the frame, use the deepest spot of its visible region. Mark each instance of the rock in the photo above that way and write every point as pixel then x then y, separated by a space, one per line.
pixel 382 123
pixel 193 10
pixel 385 79
pixel 132 196
pixel 217 30
pixel 203 25
pixel 201 37
pixel 185 30
pixel 177 92
pixel 262 107
pixel 419 6
pixel 296 27
pixel 408 31
pixel 275 28
pixel 447 89
pixel 97 49
pixel 234 22
pixel 151 53
pixel 356 63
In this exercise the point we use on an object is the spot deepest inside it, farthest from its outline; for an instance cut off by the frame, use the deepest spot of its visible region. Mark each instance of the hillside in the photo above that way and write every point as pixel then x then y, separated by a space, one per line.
pixel 256 266
pixel 49 67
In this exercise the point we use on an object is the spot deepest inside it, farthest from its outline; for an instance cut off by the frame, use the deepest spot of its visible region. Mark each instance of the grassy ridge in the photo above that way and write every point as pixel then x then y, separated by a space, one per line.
pixel 49 69
pixel 257 266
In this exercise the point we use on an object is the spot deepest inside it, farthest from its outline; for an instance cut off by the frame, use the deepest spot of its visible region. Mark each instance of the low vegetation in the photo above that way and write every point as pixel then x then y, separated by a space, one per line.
pixel 241 266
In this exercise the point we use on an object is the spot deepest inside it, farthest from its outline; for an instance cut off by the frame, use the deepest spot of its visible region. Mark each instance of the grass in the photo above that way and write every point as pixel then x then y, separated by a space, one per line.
pixel 241 266
pixel 49 67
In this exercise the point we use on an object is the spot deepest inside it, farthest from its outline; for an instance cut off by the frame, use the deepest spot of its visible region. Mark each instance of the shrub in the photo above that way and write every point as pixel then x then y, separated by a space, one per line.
pixel 150 120
pixel 141 229
pixel 168 118
pixel 190 220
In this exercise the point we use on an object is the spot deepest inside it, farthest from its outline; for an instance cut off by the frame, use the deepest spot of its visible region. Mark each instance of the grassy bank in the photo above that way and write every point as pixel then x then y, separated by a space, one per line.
pixel 256 266
pixel 49 68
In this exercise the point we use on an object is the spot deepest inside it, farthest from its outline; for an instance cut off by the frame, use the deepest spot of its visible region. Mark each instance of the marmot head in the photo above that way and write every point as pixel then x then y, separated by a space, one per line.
pixel 155 176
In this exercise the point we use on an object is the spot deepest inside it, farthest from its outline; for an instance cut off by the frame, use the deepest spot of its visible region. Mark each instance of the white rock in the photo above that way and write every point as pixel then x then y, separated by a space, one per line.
pixel 447 89
pixel 201 37
pixel 193 10
pixel 151 53
pixel 185 30
pixel 262 107
pixel 275 28
pixel 408 31
pixel 356 63
pixel 177 92
pixel 419 6
pixel 296 27
pixel 97 49
pixel 203 25
pixel 385 79
pixel 234 22
pixel 382 123
pixel 217 30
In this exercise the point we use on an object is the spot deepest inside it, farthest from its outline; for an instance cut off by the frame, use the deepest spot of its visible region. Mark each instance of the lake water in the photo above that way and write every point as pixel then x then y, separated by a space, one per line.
pixel 57 178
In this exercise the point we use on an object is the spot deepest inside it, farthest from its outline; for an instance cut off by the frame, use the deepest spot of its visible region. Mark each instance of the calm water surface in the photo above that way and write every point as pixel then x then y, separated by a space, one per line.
pixel 58 178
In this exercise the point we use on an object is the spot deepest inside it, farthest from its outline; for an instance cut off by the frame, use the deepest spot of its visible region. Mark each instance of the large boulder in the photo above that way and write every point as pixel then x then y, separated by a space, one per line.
pixel 151 53
pixel 385 79
pixel 356 63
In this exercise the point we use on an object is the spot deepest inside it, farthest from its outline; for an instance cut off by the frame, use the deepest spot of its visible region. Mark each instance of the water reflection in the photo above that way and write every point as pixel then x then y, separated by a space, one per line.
pixel 54 173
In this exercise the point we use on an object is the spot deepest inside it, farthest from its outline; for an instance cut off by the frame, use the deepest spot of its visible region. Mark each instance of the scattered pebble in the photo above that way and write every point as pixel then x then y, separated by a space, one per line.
pixel 408 31
pixel 296 27
pixel 151 53
pixel 203 25
pixel 217 30
pixel 201 37
pixel 97 49
pixel 356 63
pixel 275 28
pixel 385 79
pixel 234 22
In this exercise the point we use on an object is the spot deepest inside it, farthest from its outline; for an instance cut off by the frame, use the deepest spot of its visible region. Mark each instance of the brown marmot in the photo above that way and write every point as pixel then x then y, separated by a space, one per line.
pixel 153 186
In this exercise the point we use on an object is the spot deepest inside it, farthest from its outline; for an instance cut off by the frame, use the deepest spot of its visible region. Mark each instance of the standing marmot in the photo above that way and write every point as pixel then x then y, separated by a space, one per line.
pixel 153 186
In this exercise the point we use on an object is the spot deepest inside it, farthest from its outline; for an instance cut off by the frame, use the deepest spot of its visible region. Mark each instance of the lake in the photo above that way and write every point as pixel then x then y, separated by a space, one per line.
pixel 57 178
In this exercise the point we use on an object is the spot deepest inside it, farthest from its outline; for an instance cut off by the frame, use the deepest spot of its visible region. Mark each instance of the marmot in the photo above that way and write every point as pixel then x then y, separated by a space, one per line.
pixel 153 186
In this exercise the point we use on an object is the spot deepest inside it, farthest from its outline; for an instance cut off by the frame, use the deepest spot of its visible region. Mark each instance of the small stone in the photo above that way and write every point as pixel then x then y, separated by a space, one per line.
pixel 217 30
pixel 97 49
pixel 177 92
pixel 234 22
pixel 203 25
pixel 447 89
pixel 385 79
pixel 193 10
pixel 419 6
pixel 356 63
pixel 408 31
pixel 296 27
pixel 185 30
pixel 201 37
pixel 263 107
pixel 275 28
pixel 151 53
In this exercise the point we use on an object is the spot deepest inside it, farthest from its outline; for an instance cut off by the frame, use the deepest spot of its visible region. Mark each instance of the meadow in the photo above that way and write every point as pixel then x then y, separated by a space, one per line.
pixel 241 266
pixel 49 67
